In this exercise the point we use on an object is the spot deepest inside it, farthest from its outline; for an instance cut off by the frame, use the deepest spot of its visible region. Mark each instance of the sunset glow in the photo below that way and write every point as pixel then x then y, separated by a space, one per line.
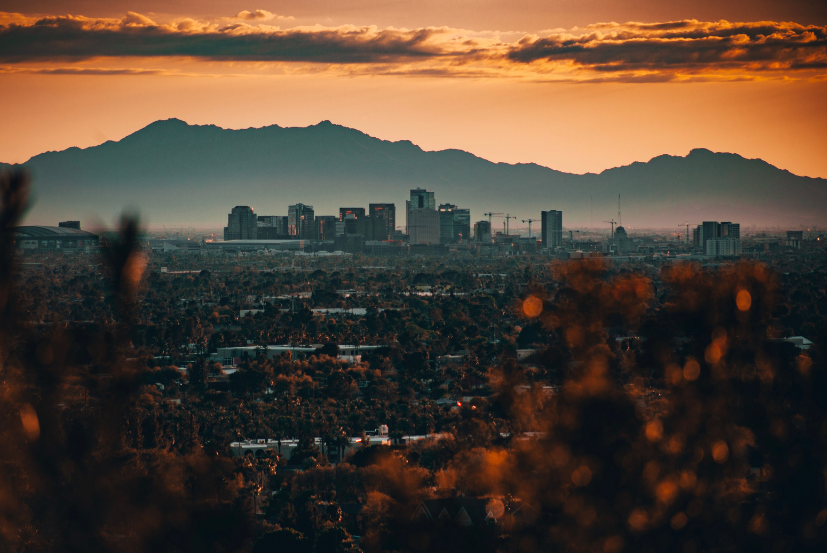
pixel 545 90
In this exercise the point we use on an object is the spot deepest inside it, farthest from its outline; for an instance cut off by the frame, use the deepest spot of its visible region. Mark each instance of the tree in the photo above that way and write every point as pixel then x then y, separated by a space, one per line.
pixel 333 539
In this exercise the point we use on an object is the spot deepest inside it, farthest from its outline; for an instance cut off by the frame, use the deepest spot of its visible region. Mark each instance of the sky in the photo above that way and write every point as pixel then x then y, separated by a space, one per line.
pixel 579 86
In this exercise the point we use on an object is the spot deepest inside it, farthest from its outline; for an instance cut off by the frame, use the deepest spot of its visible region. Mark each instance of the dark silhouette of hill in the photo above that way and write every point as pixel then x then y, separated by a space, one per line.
pixel 176 173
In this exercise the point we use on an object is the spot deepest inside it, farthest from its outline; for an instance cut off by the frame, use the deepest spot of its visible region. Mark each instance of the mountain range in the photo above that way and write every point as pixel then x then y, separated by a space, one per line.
pixel 178 174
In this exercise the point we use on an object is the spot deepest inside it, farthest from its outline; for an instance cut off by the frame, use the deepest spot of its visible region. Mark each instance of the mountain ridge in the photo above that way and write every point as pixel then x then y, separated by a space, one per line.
pixel 177 173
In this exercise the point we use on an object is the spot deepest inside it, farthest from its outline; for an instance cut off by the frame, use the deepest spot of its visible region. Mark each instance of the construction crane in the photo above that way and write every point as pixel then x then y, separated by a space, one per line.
pixel 529 221
pixel 507 223
pixel 687 230
pixel 489 217
pixel 613 226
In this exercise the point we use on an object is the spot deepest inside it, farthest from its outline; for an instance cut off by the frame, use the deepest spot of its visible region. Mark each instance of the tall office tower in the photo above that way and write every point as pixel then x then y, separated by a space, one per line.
pixel 421 198
pixel 423 226
pixel 326 227
pixel 697 235
pixel 301 221
pixel 446 223
pixel 551 228
pixel 241 224
pixel 709 231
pixel 454 224
pixel 272 227
pixel 482 231
pixel 282 225
pixel 358 212
pixel 730 230
pixel 462 225
pixel 384 220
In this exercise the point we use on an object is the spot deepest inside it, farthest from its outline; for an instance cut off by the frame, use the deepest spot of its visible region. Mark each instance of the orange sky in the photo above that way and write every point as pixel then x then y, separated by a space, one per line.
pixel 559 90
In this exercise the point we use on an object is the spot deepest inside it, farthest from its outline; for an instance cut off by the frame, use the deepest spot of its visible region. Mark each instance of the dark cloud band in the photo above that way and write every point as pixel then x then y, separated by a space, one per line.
pixel 687 46
pixel 659 50
pixel 61 39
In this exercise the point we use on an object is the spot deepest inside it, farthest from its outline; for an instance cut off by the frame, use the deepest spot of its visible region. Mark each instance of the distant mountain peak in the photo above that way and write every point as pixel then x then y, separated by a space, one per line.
pixel 167 123
pixel 179 173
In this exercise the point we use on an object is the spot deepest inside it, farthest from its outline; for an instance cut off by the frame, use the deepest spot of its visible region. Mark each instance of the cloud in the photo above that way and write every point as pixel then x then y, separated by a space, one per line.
pixel 260 15
pixel 80 71
pixel 682 45
pixel 681 51
pixel 76 38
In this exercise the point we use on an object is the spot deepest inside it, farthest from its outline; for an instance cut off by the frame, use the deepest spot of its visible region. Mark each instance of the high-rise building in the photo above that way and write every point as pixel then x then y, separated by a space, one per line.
pixel 242 224
pixel 551 228
pixel 730 230
pixel 462 225
pixel 423 226
pixel 421 198
pixel 719 232
pixel 482 231
pixel 326 227
pixel 384 220
pixel 272 227
pixel 301 221
pixel 454 224
pixel 357 212
pixel 709 231
pixel 723 247
pixel 446 223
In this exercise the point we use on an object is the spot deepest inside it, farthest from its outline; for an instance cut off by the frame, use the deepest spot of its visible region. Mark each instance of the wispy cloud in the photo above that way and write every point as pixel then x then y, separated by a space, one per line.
pixel 604 52
pixel 260 15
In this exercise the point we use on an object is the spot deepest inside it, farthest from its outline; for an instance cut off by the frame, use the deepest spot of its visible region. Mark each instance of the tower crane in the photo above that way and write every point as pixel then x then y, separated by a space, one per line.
pixel 529 221
pixel 613 226
pixel 507 229
pixel 687 230
pixel 489 217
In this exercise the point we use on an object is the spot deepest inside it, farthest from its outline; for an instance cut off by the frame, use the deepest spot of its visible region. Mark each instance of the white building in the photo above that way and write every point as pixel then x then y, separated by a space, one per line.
pixel 723 247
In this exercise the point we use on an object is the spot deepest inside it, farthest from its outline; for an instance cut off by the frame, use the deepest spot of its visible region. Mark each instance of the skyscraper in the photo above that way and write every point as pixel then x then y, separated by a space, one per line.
pixel 709 231
pixel 242 224
pixel 326 227
pixel 462 225
pixel 551 232
pixel 301 221
pixel 421 198
pixel 272 227
pixel 731 230
pixel 454 224
pixel 423 226
pixel 357 212
pixel 384 220
pixel 482 231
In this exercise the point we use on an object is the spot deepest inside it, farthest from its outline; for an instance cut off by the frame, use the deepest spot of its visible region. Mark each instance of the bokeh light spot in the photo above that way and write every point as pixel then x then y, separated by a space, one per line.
pixel 31 425
pixel 720 451
pixel 654 431
pixel 713 353
pixel 679 520
pixel 582 476
pixel 532 306
pixel 743 300
pixel 691 370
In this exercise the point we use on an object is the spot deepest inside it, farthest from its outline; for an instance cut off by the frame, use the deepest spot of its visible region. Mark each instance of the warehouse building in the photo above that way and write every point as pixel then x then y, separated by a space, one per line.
pixel 62 238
